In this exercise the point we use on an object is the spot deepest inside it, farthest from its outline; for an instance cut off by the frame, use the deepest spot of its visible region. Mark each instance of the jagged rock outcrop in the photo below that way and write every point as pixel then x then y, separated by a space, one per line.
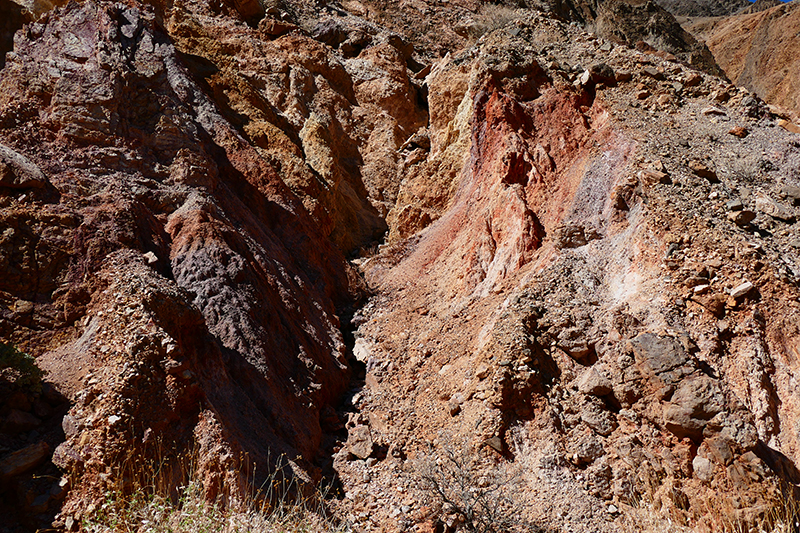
pixel 759 51
pixel 155 262
pixel 704 8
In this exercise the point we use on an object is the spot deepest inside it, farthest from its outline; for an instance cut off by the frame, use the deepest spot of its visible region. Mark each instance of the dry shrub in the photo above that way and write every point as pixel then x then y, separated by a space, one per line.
pixel 156 505
pixel 489 17
pixel 470 493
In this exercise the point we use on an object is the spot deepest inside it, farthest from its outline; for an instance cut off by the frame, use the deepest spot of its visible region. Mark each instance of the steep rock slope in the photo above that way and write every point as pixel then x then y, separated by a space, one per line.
pixel 606 299
pixel 704 8
pixel 758 51
pixel 169 246
pixel 568 218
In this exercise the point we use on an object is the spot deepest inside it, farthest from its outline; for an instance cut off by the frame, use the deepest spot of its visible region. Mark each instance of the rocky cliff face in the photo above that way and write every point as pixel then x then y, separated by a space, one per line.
pixel 167 278
pixel 590 272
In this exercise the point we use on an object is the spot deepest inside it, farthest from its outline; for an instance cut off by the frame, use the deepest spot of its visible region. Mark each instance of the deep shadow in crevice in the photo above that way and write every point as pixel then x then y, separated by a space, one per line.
pixel 778 462
pixel 11 20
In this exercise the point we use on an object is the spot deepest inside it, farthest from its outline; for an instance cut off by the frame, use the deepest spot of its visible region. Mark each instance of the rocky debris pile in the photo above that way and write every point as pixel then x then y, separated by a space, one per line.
pixel 600 282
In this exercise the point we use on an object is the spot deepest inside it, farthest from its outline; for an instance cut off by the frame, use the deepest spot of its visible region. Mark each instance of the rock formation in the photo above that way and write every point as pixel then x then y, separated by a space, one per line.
pixel 704 8
pixel 589 275
pixel 585 300
pixel 758 51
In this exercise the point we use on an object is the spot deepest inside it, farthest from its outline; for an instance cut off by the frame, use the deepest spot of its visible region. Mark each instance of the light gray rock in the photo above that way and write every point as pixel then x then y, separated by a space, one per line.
pixel 742 290
pixel 703 469
pixel 595 383
pixel 770 207
pixel 362 350
pixel 598 418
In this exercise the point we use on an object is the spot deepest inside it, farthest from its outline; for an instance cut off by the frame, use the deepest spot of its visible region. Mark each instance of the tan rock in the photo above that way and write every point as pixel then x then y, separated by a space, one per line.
pixel 594 382
pixel 359 442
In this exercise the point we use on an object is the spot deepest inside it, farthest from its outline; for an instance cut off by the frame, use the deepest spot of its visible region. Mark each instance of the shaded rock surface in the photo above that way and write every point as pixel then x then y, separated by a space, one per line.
pixel 704 8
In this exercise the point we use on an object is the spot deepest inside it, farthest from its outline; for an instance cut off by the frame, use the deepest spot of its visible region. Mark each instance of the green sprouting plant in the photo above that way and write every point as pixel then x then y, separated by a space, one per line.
pixel 30 375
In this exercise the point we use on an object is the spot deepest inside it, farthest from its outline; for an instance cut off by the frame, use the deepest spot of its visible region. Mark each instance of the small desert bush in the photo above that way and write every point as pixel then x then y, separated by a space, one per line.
pixel 491 17
pixel 474 494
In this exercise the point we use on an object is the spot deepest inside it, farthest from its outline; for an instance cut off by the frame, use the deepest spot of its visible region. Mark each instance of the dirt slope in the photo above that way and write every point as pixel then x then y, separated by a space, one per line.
pixel 758 51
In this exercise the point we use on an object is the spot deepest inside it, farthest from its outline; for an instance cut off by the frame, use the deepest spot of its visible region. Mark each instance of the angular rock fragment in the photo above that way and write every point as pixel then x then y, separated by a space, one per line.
pixel 594 415
pixel 359 442
pixel 791 193
pixel 696 400
pixel 594 383
pixel 789 126
pixel 770 207
pixel 703 170
pixel 574 342
pixel 740 132
pixel 742 218
pixel 603 73
pixel 18 172
pixel 742 290
pixel 23 460
pixel 663 358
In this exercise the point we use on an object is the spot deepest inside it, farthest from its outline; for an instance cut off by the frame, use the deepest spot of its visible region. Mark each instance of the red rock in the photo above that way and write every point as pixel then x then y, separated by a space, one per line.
pixel 739 131
pixel 23 460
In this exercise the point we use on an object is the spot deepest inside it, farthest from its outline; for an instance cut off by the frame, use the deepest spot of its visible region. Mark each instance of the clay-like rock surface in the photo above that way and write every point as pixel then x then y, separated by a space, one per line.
pixel 758 50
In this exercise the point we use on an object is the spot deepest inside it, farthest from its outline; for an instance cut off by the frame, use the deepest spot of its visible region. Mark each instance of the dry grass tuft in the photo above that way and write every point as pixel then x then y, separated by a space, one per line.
pixel 157 507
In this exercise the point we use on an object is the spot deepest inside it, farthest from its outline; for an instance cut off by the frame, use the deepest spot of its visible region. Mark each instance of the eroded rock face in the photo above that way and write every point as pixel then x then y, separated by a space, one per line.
pixel 605 346
pixel 197 293
pixel 563 283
